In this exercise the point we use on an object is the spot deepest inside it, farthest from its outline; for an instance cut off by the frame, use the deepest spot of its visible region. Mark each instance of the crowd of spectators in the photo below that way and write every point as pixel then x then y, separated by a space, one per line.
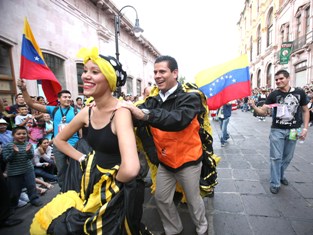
pixel 39 129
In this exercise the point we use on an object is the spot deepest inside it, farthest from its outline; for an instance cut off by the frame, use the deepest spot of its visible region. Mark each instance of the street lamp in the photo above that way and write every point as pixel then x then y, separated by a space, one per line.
pixel 136 29
pixel 117 23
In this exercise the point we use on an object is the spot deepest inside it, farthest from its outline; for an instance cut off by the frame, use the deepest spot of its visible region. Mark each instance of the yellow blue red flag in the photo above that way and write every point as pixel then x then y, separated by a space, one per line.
pixel 33 66
pixel 225 82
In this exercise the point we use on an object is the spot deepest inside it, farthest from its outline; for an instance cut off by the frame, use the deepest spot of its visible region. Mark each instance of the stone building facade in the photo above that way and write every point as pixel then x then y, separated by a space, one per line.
pixel 266 26
pixel 61 28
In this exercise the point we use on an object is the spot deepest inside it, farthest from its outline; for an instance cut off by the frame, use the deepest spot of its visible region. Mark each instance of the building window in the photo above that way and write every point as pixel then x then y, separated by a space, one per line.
pixel 307 20
pixel 282 36
pixel 129 86
pixel 269 75
pixel 80 70
pixel 7 81
pixel 259 40
pixel 298 26
pixel 56 65
pixel 270 28
pixel 258 81
pixel 300 74
pixel 138 87
pixel 287 33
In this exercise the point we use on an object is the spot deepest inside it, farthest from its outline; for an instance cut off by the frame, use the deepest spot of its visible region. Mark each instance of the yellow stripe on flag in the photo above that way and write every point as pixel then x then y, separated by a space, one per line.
pixel 208 75
pixel 29 35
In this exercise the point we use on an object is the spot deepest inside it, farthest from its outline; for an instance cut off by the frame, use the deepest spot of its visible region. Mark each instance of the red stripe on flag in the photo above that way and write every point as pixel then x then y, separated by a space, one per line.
pixel 33 71
pixel 236 91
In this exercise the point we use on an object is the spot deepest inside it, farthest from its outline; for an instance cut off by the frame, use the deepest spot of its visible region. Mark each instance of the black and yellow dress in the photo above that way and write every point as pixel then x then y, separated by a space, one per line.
pixel 104 205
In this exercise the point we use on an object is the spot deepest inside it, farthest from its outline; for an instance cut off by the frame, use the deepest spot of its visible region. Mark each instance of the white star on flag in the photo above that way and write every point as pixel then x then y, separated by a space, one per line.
pixel 37 58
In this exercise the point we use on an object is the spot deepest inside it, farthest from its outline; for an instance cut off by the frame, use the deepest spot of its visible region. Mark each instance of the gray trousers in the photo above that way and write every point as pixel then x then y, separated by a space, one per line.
pixel 61 162
pixel 188 178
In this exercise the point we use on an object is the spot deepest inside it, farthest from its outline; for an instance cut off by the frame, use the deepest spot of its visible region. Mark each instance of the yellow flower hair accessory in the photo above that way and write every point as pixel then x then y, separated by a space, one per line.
pixel 106 67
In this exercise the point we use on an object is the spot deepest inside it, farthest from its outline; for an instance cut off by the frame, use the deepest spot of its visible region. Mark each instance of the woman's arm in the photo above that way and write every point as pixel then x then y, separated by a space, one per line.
pixel 47 155
pixel 130 166
pixel 36 159
pixel 61 139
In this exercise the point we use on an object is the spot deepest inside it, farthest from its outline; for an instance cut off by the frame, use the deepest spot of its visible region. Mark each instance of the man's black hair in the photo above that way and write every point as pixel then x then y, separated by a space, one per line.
pixel 283 72
pixel 172 63
pixel 15 129
pixel 40 97
pixel 17 95
pixel 63 92
pixel 21 106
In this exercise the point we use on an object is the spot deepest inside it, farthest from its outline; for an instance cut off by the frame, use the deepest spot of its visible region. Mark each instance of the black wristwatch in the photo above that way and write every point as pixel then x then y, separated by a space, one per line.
pixel 146 113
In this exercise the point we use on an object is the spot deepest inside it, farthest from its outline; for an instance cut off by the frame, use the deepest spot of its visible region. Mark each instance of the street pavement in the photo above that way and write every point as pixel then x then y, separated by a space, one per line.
pixel 242 203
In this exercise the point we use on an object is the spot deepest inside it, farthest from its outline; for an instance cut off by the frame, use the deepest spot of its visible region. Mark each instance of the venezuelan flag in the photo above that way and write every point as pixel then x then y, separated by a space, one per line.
pixel 33 66
pixel 225 82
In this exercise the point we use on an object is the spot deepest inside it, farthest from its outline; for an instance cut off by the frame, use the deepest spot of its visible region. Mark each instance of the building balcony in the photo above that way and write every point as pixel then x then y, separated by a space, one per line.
pixel 300 42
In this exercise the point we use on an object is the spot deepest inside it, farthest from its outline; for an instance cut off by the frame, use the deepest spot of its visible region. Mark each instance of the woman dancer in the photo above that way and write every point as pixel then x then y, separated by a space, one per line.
pixel 106 203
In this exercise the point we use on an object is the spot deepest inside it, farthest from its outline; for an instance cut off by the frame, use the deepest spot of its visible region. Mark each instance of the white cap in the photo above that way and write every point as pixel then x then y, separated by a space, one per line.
pixel 2 121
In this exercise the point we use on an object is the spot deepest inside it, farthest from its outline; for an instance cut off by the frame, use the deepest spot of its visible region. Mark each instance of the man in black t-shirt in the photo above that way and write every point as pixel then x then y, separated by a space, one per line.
pixel 290 110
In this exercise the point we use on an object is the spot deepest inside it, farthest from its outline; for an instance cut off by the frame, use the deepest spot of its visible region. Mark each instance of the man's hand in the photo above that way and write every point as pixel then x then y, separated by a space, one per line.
pixel 21 84
pixel 303 134
pixel 15 148
pixel 28 147
pixel 136 112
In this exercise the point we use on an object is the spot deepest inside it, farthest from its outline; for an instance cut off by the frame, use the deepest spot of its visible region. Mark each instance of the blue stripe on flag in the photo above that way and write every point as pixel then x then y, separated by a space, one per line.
pixel 30 53
pixel 227 79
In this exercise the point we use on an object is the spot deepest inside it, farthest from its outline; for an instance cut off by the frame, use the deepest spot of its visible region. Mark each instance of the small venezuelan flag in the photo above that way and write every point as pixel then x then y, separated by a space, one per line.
pixel 33 66
pixel 225 82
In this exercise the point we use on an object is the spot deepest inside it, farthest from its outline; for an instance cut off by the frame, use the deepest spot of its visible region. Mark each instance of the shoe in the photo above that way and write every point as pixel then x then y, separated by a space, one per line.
pixel 24 197
pixel 274 190
pixel 21 203
pixel 36 202
pixel 284 181
pixel 11 222
pixel 222 145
